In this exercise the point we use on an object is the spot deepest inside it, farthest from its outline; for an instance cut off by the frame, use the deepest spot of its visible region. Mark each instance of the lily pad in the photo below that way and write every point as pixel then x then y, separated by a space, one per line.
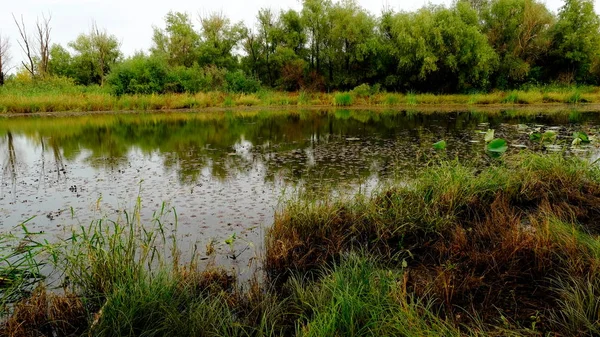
pixel 497 145
pixel 549 136
pixel 441 145
pixel 535 136
pixel 581 136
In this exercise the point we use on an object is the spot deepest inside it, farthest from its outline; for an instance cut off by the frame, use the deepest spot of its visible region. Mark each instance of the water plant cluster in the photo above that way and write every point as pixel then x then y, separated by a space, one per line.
pixel 507 249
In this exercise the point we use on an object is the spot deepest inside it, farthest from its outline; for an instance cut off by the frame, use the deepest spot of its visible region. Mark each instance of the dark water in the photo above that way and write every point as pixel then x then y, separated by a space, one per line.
pixel 224 173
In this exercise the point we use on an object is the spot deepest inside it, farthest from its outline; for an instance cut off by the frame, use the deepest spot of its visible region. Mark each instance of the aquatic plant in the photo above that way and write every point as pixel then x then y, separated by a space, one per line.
pixel 342 99
pixel 441 145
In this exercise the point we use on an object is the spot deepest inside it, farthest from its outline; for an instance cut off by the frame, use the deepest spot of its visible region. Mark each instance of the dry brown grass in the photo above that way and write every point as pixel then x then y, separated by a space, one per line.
pixel 485 243
pixel 46 314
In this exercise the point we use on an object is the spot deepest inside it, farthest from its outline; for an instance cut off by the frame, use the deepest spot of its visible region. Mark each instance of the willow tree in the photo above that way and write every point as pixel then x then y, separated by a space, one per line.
pixel 352 44
pixel 520 32
pixel 314 17
pixel 219 38
pixel 441 49
pixel 95 54
pixel 576 41
pixel 178 42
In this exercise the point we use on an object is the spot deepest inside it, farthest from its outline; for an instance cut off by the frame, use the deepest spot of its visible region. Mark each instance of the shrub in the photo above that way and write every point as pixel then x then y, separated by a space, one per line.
pixel 139 75
pixel 238 82
pixel 342 99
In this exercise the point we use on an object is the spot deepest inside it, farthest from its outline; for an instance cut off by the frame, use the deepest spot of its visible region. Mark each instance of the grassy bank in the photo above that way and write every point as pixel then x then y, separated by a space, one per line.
pixel 510 249
pixel 14 100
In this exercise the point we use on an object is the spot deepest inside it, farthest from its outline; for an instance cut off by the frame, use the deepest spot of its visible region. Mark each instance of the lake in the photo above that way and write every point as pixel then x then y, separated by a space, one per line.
pixel 222 174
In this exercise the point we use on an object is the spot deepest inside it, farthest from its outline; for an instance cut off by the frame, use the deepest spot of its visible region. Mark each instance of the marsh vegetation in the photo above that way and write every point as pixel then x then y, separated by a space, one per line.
pixel 508 249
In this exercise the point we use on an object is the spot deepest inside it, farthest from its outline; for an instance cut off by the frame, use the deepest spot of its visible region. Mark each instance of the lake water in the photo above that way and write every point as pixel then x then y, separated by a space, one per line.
pixel 225 173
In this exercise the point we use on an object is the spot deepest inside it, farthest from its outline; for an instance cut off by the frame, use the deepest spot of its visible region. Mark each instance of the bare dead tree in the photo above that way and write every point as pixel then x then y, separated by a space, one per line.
pixel 43 38
pixel 4 57
pixel 25 44
pixel 37 59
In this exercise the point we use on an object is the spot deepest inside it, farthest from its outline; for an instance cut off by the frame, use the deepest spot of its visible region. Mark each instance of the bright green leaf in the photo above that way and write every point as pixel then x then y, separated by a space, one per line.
pixel 497 145
pixel 441 145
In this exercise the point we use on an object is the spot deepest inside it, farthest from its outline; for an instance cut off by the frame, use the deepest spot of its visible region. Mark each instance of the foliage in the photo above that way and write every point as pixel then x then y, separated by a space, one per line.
pixel 576 37
pixel 463 47
pixel 238 82
pixel 437 48
pixel 519 31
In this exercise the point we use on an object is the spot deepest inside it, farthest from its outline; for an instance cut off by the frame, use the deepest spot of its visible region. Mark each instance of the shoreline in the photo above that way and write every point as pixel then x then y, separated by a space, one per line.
pixel 421 108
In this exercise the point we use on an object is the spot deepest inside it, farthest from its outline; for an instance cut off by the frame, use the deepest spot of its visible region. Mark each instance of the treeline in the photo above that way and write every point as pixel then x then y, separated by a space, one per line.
pixel 472 45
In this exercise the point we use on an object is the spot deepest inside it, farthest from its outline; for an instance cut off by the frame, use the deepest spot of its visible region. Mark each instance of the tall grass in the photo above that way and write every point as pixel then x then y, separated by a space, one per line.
pixel 487 241
pixel 509 249
pixel 57 96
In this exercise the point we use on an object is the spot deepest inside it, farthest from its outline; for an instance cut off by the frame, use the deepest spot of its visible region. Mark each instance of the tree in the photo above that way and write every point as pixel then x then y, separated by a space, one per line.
pixel 442 49
pixel 4 57
pixel 61 62
pixel 314 17
pixel 43 38
pixel 519 31
pixel 218 40
pixel 351 44
pixel 576 41
pixel 26 47
pixel 96 53
pixel 178 42
pixel 267 37
pixel 36 58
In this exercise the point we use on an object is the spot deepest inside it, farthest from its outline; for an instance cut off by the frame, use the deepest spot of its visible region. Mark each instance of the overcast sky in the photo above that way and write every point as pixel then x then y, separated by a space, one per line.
pixel 132 20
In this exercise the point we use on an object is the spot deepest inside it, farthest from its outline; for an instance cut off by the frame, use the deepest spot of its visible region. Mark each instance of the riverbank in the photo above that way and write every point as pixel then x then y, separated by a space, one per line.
pixel 16 102
pixel 507 249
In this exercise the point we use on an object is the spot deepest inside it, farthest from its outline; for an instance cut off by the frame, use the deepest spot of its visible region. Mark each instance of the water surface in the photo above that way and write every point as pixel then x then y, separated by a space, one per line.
pixel 225 173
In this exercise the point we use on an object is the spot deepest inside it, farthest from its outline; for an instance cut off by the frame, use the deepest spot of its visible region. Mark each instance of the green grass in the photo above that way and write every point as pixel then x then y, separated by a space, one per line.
pixel 60 95
pixel 479 242
pixel 509 249
pixel 342 99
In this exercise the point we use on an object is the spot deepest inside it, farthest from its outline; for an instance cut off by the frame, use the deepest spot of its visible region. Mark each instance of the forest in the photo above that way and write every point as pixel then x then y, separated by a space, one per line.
pixel 467 47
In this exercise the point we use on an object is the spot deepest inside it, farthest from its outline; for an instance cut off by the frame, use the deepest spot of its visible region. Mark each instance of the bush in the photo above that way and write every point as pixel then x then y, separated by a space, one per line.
pixel 342 99
pixel 190 80
pixel 139 75
pixel 238 82
pixel 362 91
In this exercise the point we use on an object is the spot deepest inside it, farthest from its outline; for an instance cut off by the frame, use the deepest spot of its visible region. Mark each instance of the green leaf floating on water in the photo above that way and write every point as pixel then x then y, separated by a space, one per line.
pixel 441 145
pixel 497 145
pixel 549 136
pixel 535 136
pixel 580 137
pixel 489 135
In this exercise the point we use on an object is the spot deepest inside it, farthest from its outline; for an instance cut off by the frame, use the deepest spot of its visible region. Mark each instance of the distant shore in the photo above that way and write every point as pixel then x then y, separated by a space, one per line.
pixel 13 103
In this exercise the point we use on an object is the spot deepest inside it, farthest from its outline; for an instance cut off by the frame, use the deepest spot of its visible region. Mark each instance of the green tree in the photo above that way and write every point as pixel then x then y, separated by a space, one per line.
pixel 519 31
pixel 441 49
pixel 95 54
pixel 61 62
pixel 268 37
pixel 218 40
pixel 139 74
pixel 351 44
pixel 314 17
pixel 576 41
pixel 178 42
